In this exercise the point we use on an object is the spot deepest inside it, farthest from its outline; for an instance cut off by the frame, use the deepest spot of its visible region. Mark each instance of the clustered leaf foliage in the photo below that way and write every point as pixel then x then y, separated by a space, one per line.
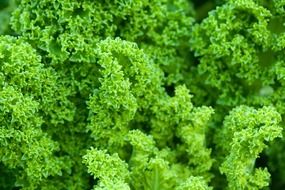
pixel 142 94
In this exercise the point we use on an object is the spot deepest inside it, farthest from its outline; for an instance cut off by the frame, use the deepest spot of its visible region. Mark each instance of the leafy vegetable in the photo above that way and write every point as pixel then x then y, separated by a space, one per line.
pixel 142 94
